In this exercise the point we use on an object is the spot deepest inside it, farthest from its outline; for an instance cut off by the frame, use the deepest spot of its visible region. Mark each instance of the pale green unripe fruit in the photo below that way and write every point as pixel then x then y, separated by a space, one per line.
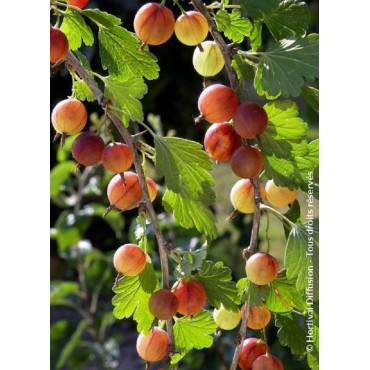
pixel 209 61
pixel 226 320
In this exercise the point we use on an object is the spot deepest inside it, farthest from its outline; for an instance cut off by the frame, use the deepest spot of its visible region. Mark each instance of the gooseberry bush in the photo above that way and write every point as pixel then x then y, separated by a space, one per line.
pixel 181 299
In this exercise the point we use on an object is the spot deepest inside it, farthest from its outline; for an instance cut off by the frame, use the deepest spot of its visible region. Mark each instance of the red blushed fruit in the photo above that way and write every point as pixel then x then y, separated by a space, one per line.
pixel 258 317
pixel 252 348
pixel 191 296
pixel 262 268
pixel 250 120
pixel 79 3
pixel 154 346
pixel 154 24
pixel 69 117
pixel 217 103
pixel 87 149
pixel 59 45
pixel 221 141
pixel 267 362
pixel 247 162
pixel 129 260
pixel 128 196
pixel 117 157
pixel 163 304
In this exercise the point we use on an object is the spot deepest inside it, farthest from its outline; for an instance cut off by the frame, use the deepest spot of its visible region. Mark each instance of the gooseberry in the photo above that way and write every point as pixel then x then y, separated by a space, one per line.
pixel 258 317
pixel 191 28
pixel 267 362
pixel 191 296
pixel 217 103
pixel 247 162
pixel 129 260
pixel 279 196
pixel 59 45
pixel 208 60
pixel 117 157
pixel 154 24
pixel 252 348
pixel 221 140
pixel 226 320
pixel 261 268
pixel 242 196
pixel 69 117
pixel 250 120
pixel 127 196
pixel 163 304
pixel 154 346
pixel 87 149
pixel 79 3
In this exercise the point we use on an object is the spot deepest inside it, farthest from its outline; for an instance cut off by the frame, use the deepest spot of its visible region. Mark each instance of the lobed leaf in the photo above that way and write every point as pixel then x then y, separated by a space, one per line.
pixel 254 294
pixel 285 66
pixel 194 332
pixel 218 285
pixel 76 30
pixel 132 298
pixel 233 25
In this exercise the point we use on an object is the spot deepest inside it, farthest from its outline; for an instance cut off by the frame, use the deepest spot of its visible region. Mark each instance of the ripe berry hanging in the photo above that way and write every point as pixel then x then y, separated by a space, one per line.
pixel 217 103
pixel 59 45
pixel 87 149
pixel 191 28
pixel 154 24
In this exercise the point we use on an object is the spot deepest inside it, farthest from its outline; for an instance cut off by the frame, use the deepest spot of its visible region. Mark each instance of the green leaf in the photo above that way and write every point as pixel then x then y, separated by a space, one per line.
pixel 311 95
pixel 81 90
pixel 233 26
pixel 256 8
pixel 256 35
pixel 72 344
pixel 190 261
pixel 252 293
pixel 76 30
pixel 125 92
pixel 291 334
pixel 244 70
pixel 290 18
pixel 132 298
pixel 185 167
pixel 293 214
pixel 302 258
pixel 184 164
pixel 189 212
pixel 285 67
pixel 119 48
pixel 284 297
pixel 59 174
pixel 102 19
pixel 217 283
pixel 288 159
pixel 61 292
pixel 194 332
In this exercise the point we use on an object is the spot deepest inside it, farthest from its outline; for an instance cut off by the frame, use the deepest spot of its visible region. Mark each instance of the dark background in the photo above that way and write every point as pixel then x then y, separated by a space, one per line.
pixel 174 97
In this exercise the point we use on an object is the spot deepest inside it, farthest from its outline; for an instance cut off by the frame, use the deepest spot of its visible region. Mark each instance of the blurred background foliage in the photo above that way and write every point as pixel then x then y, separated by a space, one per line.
pixel 84 332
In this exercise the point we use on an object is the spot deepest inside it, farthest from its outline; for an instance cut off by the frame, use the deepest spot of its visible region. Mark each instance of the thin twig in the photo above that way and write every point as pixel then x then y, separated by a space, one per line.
pixel 253 246
pixel 74 64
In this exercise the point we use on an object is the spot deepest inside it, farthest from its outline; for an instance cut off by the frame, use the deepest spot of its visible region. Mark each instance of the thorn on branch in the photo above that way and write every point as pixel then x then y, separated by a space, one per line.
pixel 119 275
pixel 111 206
pixel 233 215
pixel 246 253
pixel 238 339
pixel 139 134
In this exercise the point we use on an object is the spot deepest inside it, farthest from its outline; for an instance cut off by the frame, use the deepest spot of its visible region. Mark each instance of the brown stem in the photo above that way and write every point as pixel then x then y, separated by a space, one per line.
pixel 227 54
pixel 75 64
